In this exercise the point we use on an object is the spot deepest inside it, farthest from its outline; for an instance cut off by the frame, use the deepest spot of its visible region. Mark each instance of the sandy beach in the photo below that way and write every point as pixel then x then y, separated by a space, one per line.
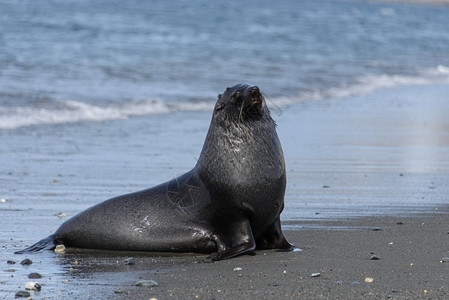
pixel 378 160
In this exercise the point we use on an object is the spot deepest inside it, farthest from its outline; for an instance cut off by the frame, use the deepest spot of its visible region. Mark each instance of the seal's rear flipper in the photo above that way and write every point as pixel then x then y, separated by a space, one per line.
pixel 48 243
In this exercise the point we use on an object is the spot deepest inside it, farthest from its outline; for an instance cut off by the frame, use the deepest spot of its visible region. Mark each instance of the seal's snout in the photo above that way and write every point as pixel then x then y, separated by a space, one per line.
pixel 254 91
pixel 256 96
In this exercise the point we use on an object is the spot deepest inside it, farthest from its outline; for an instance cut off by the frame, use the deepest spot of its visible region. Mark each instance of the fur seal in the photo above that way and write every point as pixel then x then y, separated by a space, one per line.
pixel 229 204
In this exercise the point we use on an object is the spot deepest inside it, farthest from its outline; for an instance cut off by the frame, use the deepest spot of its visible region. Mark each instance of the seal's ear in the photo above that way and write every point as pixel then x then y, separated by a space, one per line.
pixel 219 107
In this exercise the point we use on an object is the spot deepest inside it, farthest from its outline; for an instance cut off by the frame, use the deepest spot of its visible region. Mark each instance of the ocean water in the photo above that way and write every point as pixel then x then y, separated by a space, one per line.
pixel 74 61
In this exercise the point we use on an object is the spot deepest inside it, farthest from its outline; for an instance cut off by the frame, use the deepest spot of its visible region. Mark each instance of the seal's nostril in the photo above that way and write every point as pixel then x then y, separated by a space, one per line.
pixel 254 91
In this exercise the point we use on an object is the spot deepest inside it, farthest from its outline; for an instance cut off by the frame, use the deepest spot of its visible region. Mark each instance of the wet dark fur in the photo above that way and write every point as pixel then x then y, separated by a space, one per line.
pixel 228 204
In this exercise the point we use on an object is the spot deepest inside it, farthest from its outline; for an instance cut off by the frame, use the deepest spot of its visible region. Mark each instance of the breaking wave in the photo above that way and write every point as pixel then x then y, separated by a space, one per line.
pixel 76 111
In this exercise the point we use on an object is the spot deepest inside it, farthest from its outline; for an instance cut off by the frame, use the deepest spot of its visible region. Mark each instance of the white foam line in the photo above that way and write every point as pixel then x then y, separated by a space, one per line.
pixel 368 84
pixel 75 111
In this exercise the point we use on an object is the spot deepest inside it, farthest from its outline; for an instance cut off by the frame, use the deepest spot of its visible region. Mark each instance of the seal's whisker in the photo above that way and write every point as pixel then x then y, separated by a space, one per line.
pixel 241 114
pixel 275 107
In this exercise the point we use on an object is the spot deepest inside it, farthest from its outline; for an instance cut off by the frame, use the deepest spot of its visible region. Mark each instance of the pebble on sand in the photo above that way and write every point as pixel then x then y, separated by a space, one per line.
pixel 377 229
pixel 316 274
pixel 4 200
pixel 32 286
pixel 130 261
pixel 22 294
pixel 237 269
pixel 374 257
pixel 444 259
pixel 34 276
pixel 369 279
pixel 60 249
pixel 26 262
pixel 146 283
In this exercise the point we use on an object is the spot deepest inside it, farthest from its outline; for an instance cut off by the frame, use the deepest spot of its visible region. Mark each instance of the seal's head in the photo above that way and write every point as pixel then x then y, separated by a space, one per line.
pixel 240 103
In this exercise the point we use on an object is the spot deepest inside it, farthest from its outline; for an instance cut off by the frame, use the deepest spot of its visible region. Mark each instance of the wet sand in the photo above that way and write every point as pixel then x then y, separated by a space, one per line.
pixel 409 266
pixel 353 164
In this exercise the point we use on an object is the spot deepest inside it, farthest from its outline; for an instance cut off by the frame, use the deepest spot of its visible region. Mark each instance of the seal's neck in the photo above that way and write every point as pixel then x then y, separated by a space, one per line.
pixel 235 150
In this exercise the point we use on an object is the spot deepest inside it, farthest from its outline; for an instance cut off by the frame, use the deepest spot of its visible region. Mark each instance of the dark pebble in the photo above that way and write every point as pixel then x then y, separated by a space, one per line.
pixel 326 186
pixel 26 262
pixel 119 291
pixel 376 229
pixel 354 283
pixel 34 275
pixel 22 294
pixel 11 262
pixel 130 261
pixel 374 257
pixel 399 223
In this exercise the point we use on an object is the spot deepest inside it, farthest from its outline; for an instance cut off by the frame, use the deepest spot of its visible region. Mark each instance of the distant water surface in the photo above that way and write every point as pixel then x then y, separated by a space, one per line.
pixel 71 61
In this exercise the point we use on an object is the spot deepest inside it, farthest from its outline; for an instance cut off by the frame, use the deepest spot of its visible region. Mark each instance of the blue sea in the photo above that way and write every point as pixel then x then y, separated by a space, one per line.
pixel 75 61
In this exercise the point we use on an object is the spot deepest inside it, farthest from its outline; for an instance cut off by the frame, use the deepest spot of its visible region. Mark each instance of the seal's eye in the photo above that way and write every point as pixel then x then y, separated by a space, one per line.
pixel 235 95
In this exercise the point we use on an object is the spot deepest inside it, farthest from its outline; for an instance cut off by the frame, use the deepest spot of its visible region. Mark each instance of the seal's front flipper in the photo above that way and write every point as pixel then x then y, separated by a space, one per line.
pixel 234 240
pixel 273 238
pixel 48 243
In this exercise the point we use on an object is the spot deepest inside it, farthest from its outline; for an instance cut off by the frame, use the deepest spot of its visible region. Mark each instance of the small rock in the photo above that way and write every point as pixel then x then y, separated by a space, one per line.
pixel 316 274
pixel 354 283
pixel 4 200
pixel 60 249
pixel 237 269
pixel 130 261
pixel 146 283
pixel 377 229
pixel 54 181
pixel 444 259
pixel 11 262
pixel 394 291
pixel 374 257
pixel 61 215
pixel 22 294
pixel 32 286
pixel 34 276
pixel 119 291
pixel 326 186
pixel 399 223
pixel 369 279
pixel 9 270
pixel 26 262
